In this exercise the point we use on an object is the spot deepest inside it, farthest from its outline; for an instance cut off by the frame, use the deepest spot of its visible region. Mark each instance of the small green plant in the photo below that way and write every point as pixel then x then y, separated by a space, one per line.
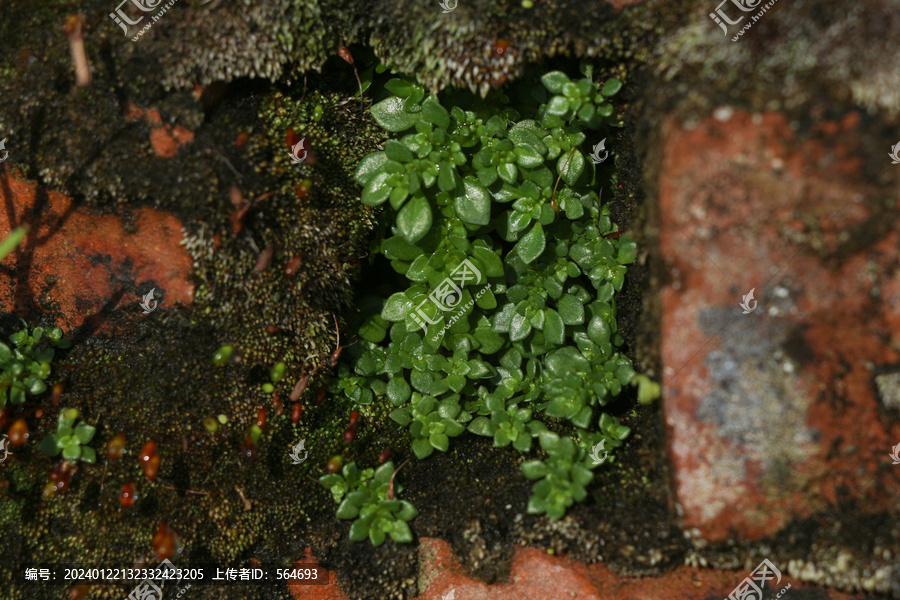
pixel 27 364
pixel 367 497
pixel 564 476
pixel 71 438
pixel 431 422
pixel 648 390
pixel 528 340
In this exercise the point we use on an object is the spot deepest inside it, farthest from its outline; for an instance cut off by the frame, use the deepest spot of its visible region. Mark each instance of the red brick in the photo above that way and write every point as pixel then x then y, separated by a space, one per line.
pixel 91 256
pixel 332 591
pixel 772 413
pixel 536 575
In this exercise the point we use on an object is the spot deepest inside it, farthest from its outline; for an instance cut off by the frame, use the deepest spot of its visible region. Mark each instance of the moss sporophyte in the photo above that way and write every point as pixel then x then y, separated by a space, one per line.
pixel 507 325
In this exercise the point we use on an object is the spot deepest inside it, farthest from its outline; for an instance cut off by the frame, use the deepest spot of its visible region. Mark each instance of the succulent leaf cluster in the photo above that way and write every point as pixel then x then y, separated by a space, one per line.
pixel 363 497
pixel 71 438
pixel 26 364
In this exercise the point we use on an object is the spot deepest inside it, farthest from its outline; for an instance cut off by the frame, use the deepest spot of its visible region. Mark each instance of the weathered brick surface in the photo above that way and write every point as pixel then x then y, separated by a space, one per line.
pixel 773 415
pixel 331 591
pixel 536 575
pixel 83 262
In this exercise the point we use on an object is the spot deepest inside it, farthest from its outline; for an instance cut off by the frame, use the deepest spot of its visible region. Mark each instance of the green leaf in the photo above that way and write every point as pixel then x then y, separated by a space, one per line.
pixel 390 114
pixel 503 319
pixel 383 474
pixel 532 244
pixel 398 390
pixel 571 167
pixel 599 330
pixel 528 133
pixel 400 532
pixel 35 385
pixel 434 113
pixel 368 166
pixel 482 426
pixel 5 353
pixel 519 328
pixel 401 87
pixel 507 172
pixel 414 219
pixel 475 206
pixel 84 432
pixel 71 452
pixel 395 247
pixel 496 124
pixel 487 175
pixel 88 455
pixel 439 441
pixel 582 418
pixel 446 177
pixel 376 536
pixel 359 530
pixel 376 190
pixel 422 448
pixel 400 415
pixel 396 307
pixel 493 265
pixel 397 151
pixel 611 87
pixel 528 157
pixel 627 251
pixel 407 511
pixel 558 106
pixel 12 240
pixel 522 443
pixel 537 505
pixel 554 81
pixel 490 342
pixel 554 327
pixel 534 469
pixel 374 329
pixel 571 310
pixel 587 112
pixel 49 446
pixel 347 510
pixel 17 395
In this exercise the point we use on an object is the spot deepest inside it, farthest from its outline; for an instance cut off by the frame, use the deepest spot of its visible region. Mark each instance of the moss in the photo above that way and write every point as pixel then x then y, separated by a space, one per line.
pixel 117 385
pixel 322 225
